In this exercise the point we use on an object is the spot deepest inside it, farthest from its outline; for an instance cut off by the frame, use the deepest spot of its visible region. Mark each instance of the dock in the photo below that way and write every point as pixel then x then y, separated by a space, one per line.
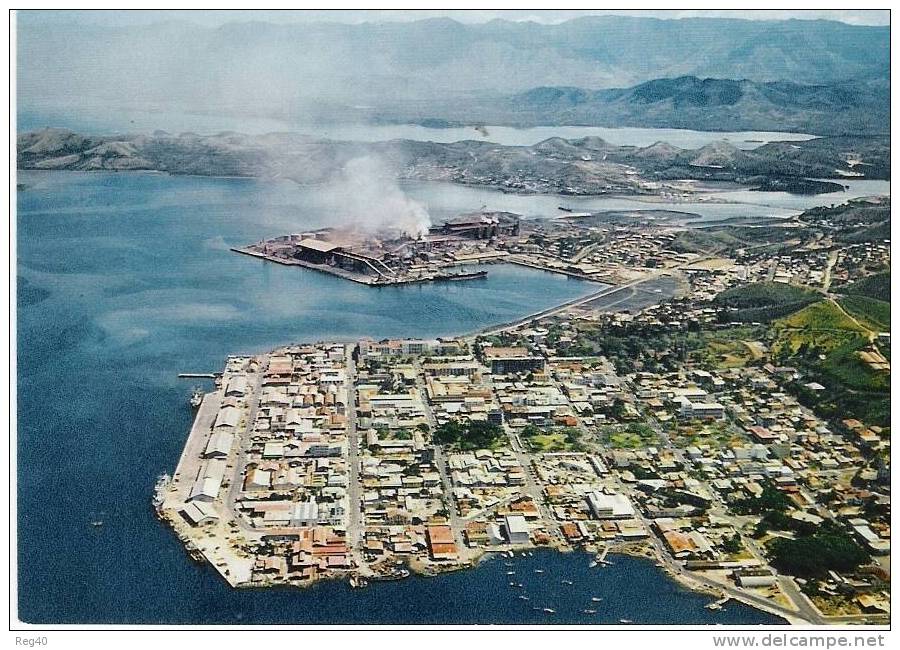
pixel 601 559
pixel 381 280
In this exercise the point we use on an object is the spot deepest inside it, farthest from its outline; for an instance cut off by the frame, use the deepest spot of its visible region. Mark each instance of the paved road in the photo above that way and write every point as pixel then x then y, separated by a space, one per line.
pixel 571 303
pixel 832 260
pixel 804 608
pixel 653 275
pixel 354 497
pixel 456 524
pixel 532 486
pixel 243 442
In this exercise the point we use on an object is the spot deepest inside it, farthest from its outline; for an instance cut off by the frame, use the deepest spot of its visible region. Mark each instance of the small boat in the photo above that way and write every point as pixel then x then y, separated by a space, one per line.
pixel 510 573
pixel 97 523
pixel 509 554
pixel 162 483
pixel 625 620
pixel 549 611
pixel 512 584
pixel 592 564
pixel 564 209
pixel 524 598
pixel 508 564
pixel 391 575
pixel 717 605
pixel 589 611
pixel 196 398
pixel 567 582
pixel 519 585
pixel 538 570
pixel 595 599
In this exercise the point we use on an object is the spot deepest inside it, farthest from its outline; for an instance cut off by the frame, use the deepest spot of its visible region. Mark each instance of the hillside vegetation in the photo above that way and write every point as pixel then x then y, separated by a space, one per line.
pixel 871 313
pixel 764 301
pixel 824 342
pixel 875 286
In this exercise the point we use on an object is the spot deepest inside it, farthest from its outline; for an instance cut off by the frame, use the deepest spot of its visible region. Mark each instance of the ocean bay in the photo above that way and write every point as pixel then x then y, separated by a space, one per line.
pixel 126 280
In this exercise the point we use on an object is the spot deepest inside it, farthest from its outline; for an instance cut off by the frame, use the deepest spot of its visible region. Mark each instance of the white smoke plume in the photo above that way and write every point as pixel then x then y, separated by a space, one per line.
pixel 365 196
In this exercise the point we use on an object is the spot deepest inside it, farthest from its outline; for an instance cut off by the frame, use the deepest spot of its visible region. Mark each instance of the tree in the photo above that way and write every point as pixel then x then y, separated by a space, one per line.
pixel 468 435
pixel 732 544
pixel 771 499
pixel 815 555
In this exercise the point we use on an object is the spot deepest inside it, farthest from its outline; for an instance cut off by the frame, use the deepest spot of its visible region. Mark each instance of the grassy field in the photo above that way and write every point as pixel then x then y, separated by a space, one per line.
pixel 732 347
pixel 824 342
pixel 633 436
pixel 716 435
pixel 821 316
pixel 822 326
pixel 550 442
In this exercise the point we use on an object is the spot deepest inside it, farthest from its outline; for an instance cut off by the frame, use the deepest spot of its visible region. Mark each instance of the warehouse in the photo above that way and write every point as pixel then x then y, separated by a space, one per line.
pixel 516 529
pixel 219 445
pixel 316 251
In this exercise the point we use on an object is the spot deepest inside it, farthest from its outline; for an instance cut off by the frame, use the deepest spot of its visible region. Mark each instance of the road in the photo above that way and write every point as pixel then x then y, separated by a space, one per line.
pixel 832 260
pixel 804 608
pixel 802 604
pixel 577 302
pixel 243 442
pixel 456 524
pixel 552 311
pixel 354 496
pixel 532 487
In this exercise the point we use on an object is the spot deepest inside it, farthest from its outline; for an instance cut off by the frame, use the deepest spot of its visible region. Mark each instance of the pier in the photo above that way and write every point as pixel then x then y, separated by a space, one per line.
pixel 381 279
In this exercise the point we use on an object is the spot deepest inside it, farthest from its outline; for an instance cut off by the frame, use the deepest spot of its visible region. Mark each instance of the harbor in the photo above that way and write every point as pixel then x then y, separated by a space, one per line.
pixel 108 326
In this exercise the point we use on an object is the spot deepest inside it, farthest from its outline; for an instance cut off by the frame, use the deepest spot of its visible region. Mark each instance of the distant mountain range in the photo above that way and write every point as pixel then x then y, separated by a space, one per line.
pixel 580 166
pixel 712 104
pixel 298 70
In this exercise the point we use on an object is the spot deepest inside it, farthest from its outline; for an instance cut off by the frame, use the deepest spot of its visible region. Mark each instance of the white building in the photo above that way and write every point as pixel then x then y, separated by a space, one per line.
pixel 610 506
pixel 516 529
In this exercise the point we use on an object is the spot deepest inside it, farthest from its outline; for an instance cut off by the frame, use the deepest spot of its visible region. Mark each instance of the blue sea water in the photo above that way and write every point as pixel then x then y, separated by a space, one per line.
pixel 125 280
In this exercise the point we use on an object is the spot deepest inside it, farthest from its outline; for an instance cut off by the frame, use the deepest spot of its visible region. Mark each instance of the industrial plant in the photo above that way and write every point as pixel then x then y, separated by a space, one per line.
pixel 392 257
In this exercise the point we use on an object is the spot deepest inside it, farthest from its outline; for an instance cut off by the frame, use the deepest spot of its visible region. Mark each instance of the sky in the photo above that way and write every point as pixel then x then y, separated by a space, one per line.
pixel 216 18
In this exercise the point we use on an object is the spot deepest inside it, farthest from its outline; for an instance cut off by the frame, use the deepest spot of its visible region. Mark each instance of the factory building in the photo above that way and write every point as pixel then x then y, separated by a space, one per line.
pixel 481 225
pixel 315 251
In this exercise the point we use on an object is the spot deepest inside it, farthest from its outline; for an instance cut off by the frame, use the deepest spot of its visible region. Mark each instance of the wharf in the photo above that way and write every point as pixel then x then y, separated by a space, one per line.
pixel 359 278
pixel 192 454
pixel 322 268
pixel 551 269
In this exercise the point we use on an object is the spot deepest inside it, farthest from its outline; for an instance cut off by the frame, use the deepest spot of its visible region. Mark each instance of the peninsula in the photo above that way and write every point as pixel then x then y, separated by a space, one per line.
pixel 677 431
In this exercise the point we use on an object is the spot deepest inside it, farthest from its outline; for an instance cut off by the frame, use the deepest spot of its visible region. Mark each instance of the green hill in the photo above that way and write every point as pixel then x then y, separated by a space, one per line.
pixel 764 301
pixel 871 313
pixel 875 286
